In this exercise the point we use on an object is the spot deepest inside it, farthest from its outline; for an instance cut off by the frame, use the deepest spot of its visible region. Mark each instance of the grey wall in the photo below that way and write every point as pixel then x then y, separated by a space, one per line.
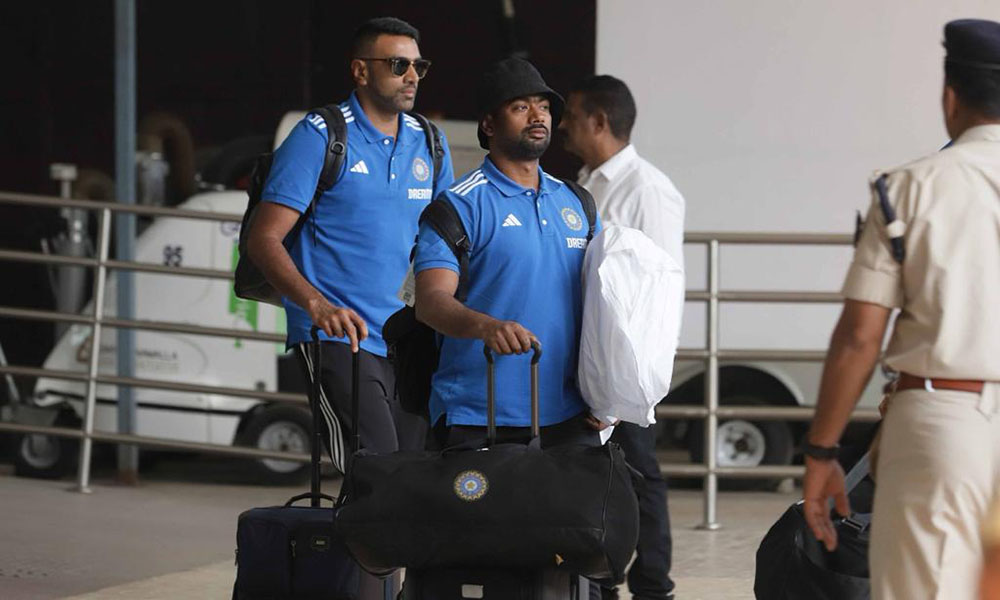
pixel 770 115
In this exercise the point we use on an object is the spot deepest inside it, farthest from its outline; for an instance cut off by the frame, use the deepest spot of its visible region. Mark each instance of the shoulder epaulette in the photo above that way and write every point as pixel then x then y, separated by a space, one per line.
pixel 894 228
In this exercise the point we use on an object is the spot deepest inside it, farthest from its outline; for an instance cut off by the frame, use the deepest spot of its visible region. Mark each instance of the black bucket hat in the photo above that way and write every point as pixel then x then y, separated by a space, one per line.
pixel 513 78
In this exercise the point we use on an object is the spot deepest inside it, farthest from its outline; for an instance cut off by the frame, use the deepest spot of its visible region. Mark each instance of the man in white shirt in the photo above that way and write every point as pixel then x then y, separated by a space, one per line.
pixel 629 191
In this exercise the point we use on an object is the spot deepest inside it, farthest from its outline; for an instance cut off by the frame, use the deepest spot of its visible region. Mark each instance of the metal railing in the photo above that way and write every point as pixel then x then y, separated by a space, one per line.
pixel 710 410
pixel 97 321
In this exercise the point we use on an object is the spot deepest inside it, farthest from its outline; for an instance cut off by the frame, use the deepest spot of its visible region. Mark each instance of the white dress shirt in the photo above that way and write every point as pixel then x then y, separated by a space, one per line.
pixel 631 192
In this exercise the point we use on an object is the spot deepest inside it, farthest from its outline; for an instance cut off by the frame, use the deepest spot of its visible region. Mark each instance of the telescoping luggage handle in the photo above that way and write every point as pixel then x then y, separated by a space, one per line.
pixel 491 409
pixel 314 398
pixel 317 441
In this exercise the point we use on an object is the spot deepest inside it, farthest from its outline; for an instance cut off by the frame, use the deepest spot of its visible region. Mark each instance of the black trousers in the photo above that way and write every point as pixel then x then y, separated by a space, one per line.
pixel 384 425
pixel 649 576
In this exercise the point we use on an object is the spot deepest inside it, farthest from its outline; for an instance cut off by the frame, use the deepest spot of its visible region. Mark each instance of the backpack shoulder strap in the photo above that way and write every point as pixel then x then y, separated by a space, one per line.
pixel 589 206
pixel 433 137
pixel 333 158
pixel 894 228
pixel 336 147
pixel 442 216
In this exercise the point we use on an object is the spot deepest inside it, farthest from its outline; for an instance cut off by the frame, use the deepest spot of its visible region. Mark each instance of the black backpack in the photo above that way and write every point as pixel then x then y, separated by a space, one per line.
pixel 413 346
pixel 249 282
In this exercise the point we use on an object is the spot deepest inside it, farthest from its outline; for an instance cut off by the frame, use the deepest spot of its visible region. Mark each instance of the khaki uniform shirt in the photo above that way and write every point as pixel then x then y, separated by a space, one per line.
pixel 948 287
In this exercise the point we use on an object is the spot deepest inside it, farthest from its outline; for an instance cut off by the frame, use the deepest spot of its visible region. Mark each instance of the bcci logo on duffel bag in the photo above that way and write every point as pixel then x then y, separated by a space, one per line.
pixel 471 485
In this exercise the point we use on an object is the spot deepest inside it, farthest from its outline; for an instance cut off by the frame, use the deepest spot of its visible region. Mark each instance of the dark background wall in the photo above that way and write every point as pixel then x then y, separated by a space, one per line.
pixel 228 69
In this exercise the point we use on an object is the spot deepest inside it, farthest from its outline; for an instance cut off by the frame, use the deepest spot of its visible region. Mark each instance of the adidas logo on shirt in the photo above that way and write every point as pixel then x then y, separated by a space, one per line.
pixel 360 167
pixel 511 221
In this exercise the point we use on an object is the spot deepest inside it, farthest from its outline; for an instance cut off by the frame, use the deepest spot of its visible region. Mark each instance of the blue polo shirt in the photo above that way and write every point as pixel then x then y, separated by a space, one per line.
pixel 525 266
pixel 365 223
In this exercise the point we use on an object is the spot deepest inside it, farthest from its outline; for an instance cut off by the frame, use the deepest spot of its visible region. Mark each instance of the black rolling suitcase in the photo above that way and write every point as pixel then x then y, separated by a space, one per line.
pixel 293 552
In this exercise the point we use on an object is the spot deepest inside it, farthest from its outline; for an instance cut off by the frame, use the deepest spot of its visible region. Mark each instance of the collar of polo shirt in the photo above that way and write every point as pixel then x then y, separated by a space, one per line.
pixel 508 187
pixel 407 135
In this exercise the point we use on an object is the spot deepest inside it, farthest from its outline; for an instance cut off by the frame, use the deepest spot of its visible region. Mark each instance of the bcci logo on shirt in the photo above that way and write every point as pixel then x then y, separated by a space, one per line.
pixel 420 169
pixel 471 485
pixel 572 219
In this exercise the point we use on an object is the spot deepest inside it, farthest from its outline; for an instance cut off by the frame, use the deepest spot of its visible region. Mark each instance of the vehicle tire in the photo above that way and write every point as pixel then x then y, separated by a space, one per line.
pixel 743 443
pixel 45 456
pixel 282 428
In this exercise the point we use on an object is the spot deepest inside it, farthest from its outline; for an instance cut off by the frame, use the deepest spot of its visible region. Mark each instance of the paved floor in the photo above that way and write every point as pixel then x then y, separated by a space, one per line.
pixel 173 536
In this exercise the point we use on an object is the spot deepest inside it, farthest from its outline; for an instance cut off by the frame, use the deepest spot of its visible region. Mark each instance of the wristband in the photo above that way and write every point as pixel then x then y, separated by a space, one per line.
pixel 820 452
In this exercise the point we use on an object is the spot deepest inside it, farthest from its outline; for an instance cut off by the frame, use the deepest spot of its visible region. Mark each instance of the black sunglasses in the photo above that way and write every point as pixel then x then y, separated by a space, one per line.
pixel 399 65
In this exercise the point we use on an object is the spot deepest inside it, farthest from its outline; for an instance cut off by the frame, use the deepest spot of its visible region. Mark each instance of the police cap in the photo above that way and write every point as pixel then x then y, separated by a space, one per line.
pixel 973 43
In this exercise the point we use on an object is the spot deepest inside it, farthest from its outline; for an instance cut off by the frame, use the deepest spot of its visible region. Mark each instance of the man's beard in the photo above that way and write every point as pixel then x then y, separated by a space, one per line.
pixel 396 101
pixel 526 148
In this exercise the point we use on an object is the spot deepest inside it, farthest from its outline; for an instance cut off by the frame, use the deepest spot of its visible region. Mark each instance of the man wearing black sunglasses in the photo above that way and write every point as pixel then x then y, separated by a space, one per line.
pixel 387 69
pixel 344 272
pixel 399 65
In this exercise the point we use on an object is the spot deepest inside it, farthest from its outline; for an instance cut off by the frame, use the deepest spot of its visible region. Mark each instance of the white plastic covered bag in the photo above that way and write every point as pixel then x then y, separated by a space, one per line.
pixel 633 299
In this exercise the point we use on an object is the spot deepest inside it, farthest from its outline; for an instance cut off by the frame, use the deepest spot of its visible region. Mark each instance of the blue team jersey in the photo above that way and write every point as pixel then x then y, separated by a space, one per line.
pixel 525 265
pixel 357 255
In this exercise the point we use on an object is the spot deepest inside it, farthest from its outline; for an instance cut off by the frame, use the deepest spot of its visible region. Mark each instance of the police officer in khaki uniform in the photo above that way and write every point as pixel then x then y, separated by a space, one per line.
pixel 931 249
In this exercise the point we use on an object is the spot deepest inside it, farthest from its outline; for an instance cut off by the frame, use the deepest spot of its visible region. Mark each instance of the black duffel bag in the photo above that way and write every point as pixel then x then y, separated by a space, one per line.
pixel 792 564
pixel 497 505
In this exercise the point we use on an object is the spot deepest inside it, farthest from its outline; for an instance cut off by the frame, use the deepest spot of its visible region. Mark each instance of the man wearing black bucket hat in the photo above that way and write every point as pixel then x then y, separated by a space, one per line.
pixel 931 248
pixel 527 237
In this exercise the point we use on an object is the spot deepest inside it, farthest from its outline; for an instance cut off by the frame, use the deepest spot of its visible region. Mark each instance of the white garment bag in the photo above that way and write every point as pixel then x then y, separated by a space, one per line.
pixel 633 297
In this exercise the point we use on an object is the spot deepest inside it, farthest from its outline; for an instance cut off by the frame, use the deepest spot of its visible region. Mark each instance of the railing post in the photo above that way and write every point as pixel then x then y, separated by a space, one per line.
pixel 710 493
pixel 125 140
pixel 100 280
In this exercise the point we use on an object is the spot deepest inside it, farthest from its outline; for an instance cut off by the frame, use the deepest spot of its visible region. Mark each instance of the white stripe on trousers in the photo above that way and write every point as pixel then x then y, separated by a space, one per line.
pixel 326 409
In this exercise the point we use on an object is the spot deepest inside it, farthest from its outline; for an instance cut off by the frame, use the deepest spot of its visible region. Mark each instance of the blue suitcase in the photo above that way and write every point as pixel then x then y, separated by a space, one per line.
pixel 293 552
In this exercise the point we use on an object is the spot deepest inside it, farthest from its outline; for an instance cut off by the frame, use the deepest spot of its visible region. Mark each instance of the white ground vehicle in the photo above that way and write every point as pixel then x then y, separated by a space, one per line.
pixel 204 360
